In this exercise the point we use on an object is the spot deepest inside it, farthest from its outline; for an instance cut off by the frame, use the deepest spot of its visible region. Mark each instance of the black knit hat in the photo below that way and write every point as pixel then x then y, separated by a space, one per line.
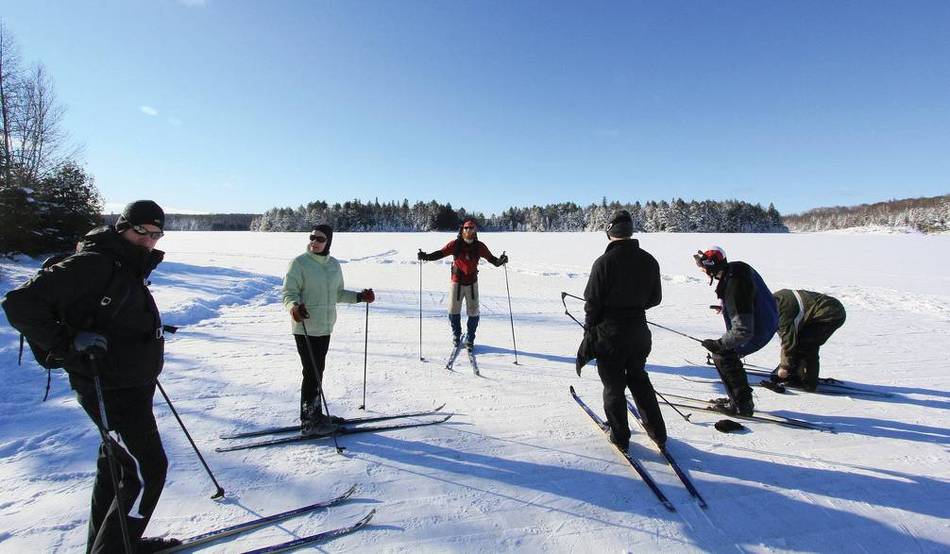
pixel 141 212
pixel 328 231
pixel 621 225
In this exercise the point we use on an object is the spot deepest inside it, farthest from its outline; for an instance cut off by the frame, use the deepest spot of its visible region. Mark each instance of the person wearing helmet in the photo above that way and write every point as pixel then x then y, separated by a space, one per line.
pixel 466 250
pixel 624 282
pixel 751 318
pixel 806 320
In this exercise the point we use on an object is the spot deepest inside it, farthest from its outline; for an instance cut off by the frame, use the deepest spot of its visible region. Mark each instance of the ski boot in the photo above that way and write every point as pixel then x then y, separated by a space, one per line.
pixel 155 544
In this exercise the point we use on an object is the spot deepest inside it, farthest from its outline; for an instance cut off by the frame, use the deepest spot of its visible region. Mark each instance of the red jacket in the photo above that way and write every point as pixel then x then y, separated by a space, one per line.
pixel 465 266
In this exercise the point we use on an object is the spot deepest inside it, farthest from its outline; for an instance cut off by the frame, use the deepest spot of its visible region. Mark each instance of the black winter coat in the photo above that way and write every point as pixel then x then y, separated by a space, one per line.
pixel 624 282
pixel 52 307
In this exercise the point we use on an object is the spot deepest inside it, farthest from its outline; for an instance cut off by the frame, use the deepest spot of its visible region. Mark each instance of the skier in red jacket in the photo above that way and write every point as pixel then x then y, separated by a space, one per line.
pixel 466 250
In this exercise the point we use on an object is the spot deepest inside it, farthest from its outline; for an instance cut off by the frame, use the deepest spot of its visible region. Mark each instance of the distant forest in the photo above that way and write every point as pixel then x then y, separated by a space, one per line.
pixel 927 215
pixel 731 216
pixel 201 222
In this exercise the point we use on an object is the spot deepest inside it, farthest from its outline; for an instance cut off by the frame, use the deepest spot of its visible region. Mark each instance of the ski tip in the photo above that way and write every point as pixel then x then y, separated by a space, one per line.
pixel 573 391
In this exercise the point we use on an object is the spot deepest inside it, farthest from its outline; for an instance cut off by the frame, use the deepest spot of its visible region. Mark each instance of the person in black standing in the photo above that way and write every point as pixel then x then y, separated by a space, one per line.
pixel 94 314
pixel 624 282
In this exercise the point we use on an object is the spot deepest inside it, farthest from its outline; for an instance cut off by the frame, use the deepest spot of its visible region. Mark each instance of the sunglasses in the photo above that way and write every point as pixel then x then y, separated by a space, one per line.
pixel 318 238
pixel 154 235
pixel 468 228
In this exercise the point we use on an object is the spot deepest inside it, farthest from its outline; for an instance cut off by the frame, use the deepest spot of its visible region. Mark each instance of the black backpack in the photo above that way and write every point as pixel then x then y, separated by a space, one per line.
pixel 49 360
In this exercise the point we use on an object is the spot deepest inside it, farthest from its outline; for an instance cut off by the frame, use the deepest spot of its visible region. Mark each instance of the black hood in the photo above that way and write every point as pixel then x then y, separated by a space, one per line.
pixel 108 241
pixel 328 231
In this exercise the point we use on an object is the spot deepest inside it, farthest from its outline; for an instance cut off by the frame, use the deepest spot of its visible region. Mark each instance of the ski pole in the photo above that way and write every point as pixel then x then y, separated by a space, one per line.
pixel 421 359
pixel 103 426
pixel 317 376
pixel 365 351
pixel 674 331
pixel 568 312
pixel 220 492
pixel 671 405
pixel 511 317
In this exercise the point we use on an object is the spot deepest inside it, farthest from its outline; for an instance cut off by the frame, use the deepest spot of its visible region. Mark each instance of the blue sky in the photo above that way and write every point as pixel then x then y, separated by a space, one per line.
pixel 240 106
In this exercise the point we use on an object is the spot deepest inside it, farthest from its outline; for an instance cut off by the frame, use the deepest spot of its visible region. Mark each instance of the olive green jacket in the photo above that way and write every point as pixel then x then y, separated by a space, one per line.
pixel 316 281
pixel 800 308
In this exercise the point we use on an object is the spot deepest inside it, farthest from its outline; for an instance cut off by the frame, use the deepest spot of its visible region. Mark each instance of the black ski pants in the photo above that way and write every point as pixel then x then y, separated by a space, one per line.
pixel 311 388
pixel 810 338
pixel 141 463
pixel 626 369
pixel 734 377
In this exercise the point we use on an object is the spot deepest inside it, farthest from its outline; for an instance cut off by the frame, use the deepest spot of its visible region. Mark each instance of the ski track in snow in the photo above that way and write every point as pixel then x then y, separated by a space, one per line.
pixel 518 467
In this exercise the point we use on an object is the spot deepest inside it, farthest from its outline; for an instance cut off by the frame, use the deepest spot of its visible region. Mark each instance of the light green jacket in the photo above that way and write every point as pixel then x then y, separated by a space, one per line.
pixel 316 281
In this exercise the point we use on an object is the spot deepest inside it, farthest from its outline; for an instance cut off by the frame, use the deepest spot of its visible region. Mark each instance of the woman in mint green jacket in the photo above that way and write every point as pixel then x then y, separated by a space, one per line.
pixel 312 288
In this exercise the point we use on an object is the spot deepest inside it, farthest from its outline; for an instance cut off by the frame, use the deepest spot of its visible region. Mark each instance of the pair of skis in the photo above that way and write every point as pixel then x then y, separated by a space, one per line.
pixel 350 427
pixel 254 524
pixel 760 416
pixel 826 385
pixel 472 361
pixel 637 465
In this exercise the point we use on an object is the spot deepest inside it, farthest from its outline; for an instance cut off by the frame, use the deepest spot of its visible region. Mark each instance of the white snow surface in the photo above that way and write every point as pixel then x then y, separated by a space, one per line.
pixel 519 467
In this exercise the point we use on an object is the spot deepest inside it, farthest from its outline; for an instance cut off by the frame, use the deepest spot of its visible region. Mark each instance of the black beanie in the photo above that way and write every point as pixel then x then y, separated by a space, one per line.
pixel 328 231
pixel 621 225
pixel 141 212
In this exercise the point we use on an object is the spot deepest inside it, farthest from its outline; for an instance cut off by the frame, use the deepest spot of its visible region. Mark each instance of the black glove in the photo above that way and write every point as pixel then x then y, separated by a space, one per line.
pixel 503 259
pixel 421 256
pixel 89 342
pixel 713 345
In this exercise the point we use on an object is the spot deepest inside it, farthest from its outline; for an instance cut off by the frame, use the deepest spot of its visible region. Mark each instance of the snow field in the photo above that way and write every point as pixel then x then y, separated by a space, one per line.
pixel 519 467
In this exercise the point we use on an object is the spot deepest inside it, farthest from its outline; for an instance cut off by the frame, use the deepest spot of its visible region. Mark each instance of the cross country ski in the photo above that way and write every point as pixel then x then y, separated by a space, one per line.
pixel 357 420
pixel 248 526
pixel 342 431
pixel 634 463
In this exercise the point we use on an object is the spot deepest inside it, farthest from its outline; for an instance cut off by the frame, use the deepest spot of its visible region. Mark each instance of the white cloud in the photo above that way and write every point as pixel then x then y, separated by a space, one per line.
pixel 174 121
pixel 193 3
pixel 149 111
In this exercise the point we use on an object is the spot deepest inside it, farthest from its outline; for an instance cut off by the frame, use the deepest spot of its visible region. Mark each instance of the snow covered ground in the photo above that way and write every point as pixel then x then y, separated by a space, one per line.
pixel 519 467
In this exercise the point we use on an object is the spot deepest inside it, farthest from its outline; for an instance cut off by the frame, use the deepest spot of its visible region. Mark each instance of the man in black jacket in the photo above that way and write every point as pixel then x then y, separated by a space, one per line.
pixel 624 282
pixel 94 314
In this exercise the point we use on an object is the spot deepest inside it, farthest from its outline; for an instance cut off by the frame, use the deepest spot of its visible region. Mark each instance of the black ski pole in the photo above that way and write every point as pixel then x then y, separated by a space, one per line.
pixel 220 492
pixel 674 331
pixel 568 312
pixel 670 404
pixel 365 351
pixel 511 317
pixel 317 376
pixel 103 426
pixel 421 358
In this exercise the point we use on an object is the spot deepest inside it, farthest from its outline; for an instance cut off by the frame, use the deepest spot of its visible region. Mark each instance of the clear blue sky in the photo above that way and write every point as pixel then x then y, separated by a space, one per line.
pixel 240 106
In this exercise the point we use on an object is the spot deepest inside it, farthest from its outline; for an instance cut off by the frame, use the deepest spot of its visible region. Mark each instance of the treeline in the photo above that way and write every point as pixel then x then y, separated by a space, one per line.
pixel 47 200
pixel 709 216
pixel 927 215
pixel 201 222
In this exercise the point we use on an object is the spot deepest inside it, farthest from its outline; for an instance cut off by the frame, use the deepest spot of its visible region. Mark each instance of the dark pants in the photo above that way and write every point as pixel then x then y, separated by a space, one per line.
pixel 141 462
pixel 311 389
pixel 734 377
pixel 805 355
pixel 626 369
